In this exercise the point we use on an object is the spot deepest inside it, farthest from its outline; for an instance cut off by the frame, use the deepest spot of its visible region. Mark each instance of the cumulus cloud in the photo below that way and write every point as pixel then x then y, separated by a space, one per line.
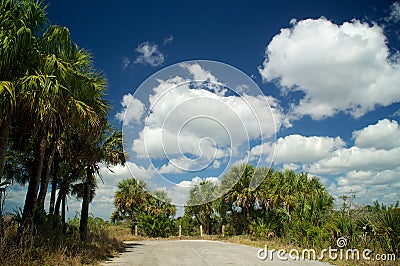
pixel 294 150
pixel 189 121
pixel 197 180
pixel 178 122
pixel 383 135
pixel 369 169
pixel 149 55
pixel 181 190
pixel 132 109
pixel 355 158
pixel 339 68
pixel 368 186
pixel 301 149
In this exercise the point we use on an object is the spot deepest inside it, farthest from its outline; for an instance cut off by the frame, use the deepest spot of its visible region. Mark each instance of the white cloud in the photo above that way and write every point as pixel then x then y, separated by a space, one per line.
pixel 355 159
pixel 149 54
pixel 394 12
pixel 294 151
pixel 132 109
pixel 383 135
pixel 178 122
pixel 191 122
pixel 290 166
pixel 368 186
pixel 197 180
pixel 338 67
pixel 200 73
pixel 300 149
pixel 377 149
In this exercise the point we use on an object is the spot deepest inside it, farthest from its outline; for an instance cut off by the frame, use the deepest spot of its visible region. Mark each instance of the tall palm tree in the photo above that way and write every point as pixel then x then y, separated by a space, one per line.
pixel 56 98
pixel 20 23
pixel 107 150
pixel 241 194
pixel 76 104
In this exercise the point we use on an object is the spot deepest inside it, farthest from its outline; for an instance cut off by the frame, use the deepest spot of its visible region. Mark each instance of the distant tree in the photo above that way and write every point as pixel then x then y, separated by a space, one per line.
pixel 200 204
pixel 153 214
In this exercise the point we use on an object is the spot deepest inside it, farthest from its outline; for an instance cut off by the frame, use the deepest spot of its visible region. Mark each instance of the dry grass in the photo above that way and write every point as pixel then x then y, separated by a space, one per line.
pixel 276 243
pixel 50 248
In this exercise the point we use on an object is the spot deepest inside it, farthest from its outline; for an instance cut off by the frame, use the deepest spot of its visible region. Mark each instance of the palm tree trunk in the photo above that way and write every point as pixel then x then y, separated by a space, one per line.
pixel 1 214
pixel 63 202
pixel 247 214
pixel 57 207
pixel 54 182
pixel 208 224
pixel 85 205
pixel 31 195
pixel 4 134
pixel 44 181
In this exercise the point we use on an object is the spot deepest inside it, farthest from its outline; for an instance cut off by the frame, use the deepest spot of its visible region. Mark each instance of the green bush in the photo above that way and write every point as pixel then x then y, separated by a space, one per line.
pixel 156 226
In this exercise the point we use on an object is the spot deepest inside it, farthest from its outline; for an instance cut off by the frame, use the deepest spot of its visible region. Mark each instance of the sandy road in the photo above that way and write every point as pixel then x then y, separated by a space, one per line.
pixel 195 252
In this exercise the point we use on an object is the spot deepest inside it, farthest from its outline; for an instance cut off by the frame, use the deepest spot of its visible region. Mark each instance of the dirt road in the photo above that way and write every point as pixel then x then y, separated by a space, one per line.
pixel 196 252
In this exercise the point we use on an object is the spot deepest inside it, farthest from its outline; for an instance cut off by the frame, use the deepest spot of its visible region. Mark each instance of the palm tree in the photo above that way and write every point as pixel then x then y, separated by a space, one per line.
pixel 75 105
pixel 53 101
pixel 200 203
pixel 241 194
pixel 20 22
pixel 130 197
pixel 108 150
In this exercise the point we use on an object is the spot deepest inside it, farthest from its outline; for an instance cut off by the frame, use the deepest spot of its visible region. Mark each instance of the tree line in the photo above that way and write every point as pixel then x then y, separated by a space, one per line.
pixel 293 207
pixel 53 124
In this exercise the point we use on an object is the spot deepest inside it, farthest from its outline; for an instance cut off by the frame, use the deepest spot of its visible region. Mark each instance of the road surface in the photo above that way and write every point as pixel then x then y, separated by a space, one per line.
pixel 195 252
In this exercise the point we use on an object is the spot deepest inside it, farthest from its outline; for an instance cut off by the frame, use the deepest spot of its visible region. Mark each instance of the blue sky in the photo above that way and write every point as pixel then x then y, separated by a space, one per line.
pixel 330 70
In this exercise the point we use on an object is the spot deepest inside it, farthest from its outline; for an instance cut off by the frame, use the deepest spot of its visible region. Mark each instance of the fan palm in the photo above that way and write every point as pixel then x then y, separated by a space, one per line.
pixel 20 24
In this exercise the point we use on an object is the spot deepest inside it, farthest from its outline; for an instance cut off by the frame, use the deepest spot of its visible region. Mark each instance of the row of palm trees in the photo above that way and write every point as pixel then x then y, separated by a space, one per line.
pixel 53 122
pixel 281 198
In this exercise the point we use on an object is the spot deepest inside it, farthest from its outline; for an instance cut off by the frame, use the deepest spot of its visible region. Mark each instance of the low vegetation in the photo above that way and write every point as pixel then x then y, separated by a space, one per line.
pixel 47 245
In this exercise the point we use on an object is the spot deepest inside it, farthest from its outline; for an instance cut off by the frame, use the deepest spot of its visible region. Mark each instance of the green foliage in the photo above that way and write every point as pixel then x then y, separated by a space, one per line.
pixel 97 227
pixel 387 228
pixel 200 209
pixel 156 225
pixel 264 227
pixel 134 204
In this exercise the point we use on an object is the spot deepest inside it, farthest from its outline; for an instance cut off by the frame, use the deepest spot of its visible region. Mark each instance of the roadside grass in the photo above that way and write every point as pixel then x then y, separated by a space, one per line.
pixel 50 246
pixel 277 243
